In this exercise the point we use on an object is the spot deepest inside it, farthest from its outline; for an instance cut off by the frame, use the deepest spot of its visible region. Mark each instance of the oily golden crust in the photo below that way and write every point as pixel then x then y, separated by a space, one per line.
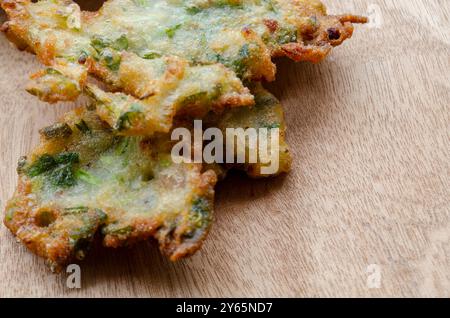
pixel 172 243
pixel 51 242
pixel 58 223
pixel 320 38
pixel 299 52
pixel 17 29
pixel 316 33
pixel 267 113
pixel 51 85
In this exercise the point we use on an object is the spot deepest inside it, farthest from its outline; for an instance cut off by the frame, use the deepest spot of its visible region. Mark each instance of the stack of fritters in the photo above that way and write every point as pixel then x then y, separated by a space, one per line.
pixel 106 168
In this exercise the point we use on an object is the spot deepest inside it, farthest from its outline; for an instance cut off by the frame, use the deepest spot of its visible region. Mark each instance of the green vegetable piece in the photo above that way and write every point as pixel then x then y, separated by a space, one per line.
pixel 171 31
pixel 271 126
pixel 141 3
pixel 9 215
pixel 286 35
pixel 121 43
pixel 111 59
pixel 99 43
pixel 240 64
pixel 87 177
pixel 151 55
pixel 67 158
pixel 124 121
pixel 194 98
pixel 59 130
pixel 43 164
pixel 59 168
pixel 52 71
pixel 83 127
pixel 122 231
pixel 193 10
pixel 62 176
pixel 76 210
pixel 122 146
pixel 200 212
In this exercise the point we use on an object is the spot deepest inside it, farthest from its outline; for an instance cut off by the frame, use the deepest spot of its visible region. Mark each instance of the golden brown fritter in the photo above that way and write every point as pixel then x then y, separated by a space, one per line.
pixel 243 35
pixel 85 179
pixel 153 91
pixel 108 169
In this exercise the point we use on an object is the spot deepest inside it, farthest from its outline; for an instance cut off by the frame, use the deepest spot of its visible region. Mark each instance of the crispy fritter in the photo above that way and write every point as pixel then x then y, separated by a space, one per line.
pixel 267 113
pixel 109 170
pixel 165 87
pixel 243 35
pixel 85 179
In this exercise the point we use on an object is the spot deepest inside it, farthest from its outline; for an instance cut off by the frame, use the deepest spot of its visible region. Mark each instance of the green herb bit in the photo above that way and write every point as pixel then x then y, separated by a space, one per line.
pixel 121 231
pixel 21 164
pixel 83 127
pixel 59 130
pixel 52 71
pixel 99 43
pixel 193 10
pixel 200 212
pixel 271 126
pixel 111 59
pixel 87 177
pixel 170 32
pixel 62 176
pixel 67 158
pixel 43 164
pixel 76 210
pixel 151 55
pixel 125 120
pixel 121 43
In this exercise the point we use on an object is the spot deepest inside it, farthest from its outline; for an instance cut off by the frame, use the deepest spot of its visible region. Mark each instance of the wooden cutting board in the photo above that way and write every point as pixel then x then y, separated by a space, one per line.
pixel 367 202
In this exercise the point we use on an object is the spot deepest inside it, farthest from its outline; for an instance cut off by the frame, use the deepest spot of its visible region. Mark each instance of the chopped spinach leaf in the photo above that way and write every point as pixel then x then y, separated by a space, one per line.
pixel 170 32
pixel 43 164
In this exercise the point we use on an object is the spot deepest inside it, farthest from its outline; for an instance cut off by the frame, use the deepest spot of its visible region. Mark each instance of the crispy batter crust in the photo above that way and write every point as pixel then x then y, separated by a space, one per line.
pixel 84 180
pixel 243 35
pixel 267 113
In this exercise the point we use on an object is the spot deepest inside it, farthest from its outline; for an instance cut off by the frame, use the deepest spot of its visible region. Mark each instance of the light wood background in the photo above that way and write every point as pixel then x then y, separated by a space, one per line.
pixel 370 135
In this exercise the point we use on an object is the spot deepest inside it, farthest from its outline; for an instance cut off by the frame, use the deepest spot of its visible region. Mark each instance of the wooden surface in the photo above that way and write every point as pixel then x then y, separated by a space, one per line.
pixel 369 130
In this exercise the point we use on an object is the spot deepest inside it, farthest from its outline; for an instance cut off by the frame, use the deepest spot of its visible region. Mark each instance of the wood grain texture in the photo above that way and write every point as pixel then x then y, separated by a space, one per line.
pixel 369 131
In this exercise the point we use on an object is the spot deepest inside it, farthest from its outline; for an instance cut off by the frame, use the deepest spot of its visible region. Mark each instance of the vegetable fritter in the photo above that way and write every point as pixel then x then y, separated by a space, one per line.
pixel 83 179
pixel 243 35
pixel 164 87
pixel 107 170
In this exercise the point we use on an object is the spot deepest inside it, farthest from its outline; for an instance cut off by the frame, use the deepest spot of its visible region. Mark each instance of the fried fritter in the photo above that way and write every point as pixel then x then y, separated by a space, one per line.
pixel 109 170
pixel 267 113
pixel 243 35
pixel 85 179
pixel 165 87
